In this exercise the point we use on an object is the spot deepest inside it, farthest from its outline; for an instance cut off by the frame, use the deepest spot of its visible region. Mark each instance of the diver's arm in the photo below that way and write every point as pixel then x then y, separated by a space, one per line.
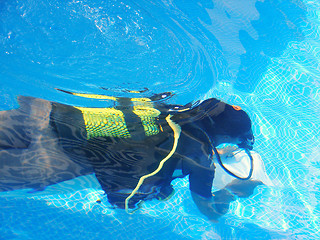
pixel 243 188
pixel 216 206
pixel 213 207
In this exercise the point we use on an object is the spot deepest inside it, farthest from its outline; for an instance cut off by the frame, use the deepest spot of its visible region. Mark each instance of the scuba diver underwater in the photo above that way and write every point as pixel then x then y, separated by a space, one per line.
pixel 135 149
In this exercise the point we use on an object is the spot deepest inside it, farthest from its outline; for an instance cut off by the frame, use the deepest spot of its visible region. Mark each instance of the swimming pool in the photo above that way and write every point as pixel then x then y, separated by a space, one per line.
pixel 262 55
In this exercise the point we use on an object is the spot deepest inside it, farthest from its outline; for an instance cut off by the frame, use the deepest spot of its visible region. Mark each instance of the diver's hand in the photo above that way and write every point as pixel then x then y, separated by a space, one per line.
pixel 243 188
pixel 215 207
pixel 222 200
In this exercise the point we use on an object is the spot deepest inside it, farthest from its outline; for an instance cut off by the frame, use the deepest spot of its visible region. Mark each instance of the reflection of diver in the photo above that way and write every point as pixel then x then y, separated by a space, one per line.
pixel 135 149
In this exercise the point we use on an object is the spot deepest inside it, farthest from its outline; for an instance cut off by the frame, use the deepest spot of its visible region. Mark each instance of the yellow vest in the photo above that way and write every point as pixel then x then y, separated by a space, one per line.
pixel 110 122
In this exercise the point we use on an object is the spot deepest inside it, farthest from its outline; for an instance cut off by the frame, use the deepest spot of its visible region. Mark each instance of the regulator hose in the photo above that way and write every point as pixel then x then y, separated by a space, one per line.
pixel 214 149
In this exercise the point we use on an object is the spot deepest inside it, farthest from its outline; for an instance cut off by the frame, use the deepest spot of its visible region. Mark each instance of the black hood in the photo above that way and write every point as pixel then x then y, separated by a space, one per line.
pixel 228 120
pixel 217 118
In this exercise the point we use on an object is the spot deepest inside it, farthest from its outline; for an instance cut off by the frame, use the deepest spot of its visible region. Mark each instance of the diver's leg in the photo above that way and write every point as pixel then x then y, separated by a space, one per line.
pixel 13 133
pixel 19 126
pixel 30 154
pixel 42 164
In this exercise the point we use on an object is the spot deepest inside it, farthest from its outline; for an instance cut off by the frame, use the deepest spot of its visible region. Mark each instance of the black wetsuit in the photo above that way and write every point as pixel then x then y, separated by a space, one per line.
pixel 119 163
pixel 44 143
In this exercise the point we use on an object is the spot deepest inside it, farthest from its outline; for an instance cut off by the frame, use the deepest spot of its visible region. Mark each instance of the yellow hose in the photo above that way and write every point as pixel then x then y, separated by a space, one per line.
pixel 176 131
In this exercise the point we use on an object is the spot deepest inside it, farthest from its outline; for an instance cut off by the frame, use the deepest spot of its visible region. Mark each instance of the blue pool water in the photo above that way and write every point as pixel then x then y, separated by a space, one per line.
pixel 263 55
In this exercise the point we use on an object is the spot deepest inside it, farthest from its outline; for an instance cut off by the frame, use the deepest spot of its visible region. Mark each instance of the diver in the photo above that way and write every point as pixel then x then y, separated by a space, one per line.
pixel 135 148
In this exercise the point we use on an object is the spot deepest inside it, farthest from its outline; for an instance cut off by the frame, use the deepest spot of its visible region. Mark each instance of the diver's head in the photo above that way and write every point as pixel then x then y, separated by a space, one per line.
pixel 228 124
pixel 222 122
